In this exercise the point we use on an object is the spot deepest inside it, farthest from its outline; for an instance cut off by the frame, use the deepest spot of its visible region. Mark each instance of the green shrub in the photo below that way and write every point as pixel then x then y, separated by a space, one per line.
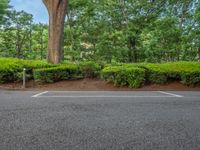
pixel 156 73
pixel 190 78
pixel 188 72
pixel 109 73
pixel 124 76
pixel 185 72
pixel 50 75
pixel 90 69
pixel 32 64
pixel 11 69
pixel 133 75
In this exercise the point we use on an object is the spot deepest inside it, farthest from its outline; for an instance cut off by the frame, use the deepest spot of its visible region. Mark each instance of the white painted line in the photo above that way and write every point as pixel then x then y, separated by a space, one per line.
pixel 167 93
pixel 101 96
pixel 39 94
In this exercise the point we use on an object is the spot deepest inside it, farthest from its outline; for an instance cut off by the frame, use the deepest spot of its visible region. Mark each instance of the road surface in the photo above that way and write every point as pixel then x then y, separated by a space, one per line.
pixel 56 120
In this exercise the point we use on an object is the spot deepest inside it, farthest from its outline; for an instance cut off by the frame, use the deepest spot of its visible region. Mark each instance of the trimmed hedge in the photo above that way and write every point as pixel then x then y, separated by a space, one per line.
pixel 124 76
pixel 11 68
pixel 62 72
pixel 132 75
pixel 67 71
pixel 90 69
pixel 9 72
pixel 186 72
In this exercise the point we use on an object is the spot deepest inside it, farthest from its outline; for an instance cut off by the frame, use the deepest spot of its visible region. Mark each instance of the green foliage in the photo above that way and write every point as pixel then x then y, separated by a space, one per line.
pixel 186 72
pixel 124 76
pixel 90 69
pixel 110 31
pixel 132 75
pixel 4 5
pixel 62 72
pixel 20 38
pixel 8 71
pixel 156 73
pixel 11 69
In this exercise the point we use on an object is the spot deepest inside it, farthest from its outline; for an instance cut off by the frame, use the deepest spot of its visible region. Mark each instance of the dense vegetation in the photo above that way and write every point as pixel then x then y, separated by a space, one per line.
pixel 124 42
pixel 186 72
pixel 110 31
pixel 132 75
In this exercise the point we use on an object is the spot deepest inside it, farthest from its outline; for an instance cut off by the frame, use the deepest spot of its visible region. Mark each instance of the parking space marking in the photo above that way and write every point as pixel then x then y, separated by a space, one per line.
pixel 167 93
pixel 39 94
pixel 102 96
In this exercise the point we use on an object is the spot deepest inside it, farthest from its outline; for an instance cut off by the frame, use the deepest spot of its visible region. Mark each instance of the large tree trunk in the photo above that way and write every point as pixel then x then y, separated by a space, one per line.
pixel 57 11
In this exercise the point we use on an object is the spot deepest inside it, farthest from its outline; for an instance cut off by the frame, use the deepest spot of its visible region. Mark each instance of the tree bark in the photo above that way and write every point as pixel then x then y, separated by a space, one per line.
pixel 57 11
pixel 132 50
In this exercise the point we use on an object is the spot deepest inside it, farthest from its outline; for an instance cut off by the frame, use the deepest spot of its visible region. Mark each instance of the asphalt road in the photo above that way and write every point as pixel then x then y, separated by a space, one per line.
pixel 99 120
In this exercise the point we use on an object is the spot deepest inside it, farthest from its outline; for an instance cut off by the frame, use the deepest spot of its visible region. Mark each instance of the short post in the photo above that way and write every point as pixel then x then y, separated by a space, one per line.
pixel 24 78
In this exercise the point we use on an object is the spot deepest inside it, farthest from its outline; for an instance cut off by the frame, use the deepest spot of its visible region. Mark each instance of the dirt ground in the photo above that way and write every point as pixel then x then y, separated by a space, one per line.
pixel 93 85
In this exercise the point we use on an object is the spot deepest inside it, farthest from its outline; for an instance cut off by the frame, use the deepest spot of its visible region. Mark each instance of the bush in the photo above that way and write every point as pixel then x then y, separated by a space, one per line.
pixel 190 78
pixel 124 76
pixel 156 73
pixel 30 65
pixel 8 72
pixel 90 69
pixel 132 75
pixel 185 72
pixel 11 69
pixel 50 75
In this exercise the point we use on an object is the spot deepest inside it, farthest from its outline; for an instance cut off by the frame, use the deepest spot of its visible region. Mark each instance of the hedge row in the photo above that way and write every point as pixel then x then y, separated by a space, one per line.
pixel 124 76
pixel 132 75
pixel 67 71
pixel 89 69
pixel 50 75
pixel 11 69
pixel 186 72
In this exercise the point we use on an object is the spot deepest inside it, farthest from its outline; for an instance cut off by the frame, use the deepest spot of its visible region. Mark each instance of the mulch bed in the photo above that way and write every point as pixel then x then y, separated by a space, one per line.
pixel 93 85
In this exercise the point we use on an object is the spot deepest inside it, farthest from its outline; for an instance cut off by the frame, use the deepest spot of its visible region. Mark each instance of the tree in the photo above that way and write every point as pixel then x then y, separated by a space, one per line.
pixel 106 30
pixel 57 11
pixel 4 5
pixel 20 22
pixel 40 40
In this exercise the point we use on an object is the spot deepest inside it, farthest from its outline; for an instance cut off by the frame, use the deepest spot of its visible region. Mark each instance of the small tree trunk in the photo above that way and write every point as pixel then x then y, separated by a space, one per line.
pixel 132 50
pixel 30 37
pixel 18 50
pixel 57 12
pixel 41 44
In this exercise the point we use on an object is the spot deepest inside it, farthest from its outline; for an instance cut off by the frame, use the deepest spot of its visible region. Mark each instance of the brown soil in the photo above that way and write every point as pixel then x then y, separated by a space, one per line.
pixel 93 85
